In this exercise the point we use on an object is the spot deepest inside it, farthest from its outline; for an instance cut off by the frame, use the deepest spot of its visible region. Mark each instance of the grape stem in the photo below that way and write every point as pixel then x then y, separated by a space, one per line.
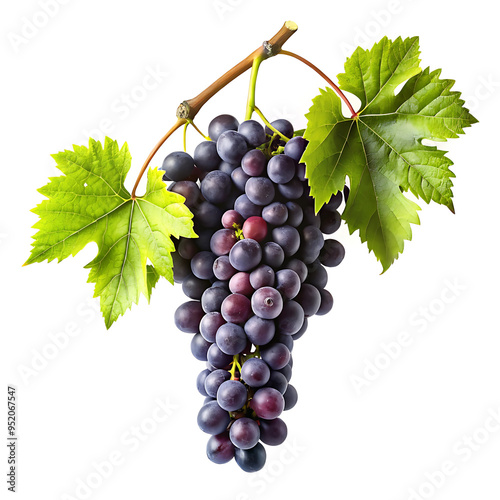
pixel 187 110
pixel 354 114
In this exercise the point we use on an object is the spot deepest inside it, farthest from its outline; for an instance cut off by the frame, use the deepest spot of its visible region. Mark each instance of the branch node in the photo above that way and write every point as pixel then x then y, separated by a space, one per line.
pixel 268 49
pixel 183 110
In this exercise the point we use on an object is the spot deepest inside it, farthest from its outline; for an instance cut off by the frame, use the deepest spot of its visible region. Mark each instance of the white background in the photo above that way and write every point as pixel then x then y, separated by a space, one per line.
pixel 380 441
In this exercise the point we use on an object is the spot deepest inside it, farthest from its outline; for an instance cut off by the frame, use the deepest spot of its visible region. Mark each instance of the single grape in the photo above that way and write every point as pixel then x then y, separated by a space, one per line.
pixel 335 201
pixel 276 213
pixel 287 283
pixel 301 332
pixel 254 163
pixel 295 147
pixel 262 276
pixel 276 356
pixel 292 190
pixel 267 303
pixel 260 190
pixel 222 241
pixel 188 189
pixel 207 215
pixel 232 395
pixel 291 319
pixel 290 397
pixel 178 166
pixel 246 208
pixel 236 308
pixel 221 124
pixel 187 248
pixel 202 265
pixel 216 186
pixel 326 302
pixel 273 432
pixel 187 316
pixel 232 218
pixel 194 287
pixel 277 381
pixel 231 146
pixel 251 460
pixel 223 270
pixel 281 125
pixel 245 255
pixel 309 298
pixel 206 157
pixel 286 371
pixel 259 331
pixel 209 325
pixel 200 381
pixel 267 403
pixel 244 433
pixel 217 358
pixel 299 267
pixel 295 214
pixel 281 169
pixel 312 239
pixel 231 339
pixel 310 217
pixel 214 380
pixel 273 255
pixel 239 178
pixel 212 419
pixel 253 132
pixel 240 283
pixel 332 254
pixel 182 267
pixel 330 221
pixel 301 172
pixel 255 228
pixel 199 347
pixel 288 239
pixel 226 167
pixel 220 450
pixel 212 299
pixel 255 372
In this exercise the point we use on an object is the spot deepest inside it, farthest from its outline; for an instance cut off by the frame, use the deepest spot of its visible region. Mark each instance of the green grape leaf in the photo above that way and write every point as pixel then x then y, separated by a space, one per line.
pixel 381 150
pixel 89 203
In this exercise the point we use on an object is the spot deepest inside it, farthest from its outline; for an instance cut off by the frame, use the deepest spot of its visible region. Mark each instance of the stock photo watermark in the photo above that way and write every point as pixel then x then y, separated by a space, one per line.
pixel 129 442
pixel 57 342
pixel 462 451
pixel 419 322
pixel 32 25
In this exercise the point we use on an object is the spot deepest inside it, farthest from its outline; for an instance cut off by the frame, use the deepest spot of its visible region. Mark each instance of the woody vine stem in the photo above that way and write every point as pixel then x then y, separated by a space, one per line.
pixel 187 110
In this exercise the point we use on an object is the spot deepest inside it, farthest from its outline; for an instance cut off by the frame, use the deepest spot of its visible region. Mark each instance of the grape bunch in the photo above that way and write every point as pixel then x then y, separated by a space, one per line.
pixel 254 276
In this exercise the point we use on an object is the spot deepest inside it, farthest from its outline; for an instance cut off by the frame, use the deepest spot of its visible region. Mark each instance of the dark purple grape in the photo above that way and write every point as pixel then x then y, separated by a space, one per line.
pixel 209 325
pixel 251 460
pixel 267 403
pixel 231 146
pixel 260 190
pixel 284 339
pixel 287 238
pixel 317 275
pixel 202 265
pixel 239 178
pixel 216 187
pixel 232 218
pixel 335 202
pixel 212 299
pixel 199 347
pixel 200 382
pixel 276 356
pixel 295 147
pixel 244 433
pixel 309 298
pixel 206 157
pixel 259 331
pixel 301 331
pixel 223 270
pixel 187 248
pixel 254 163
pixel 246 208
pixel 277 381
pixel 188 189
pixel 236 308
pixel 312 239
pixel 326 302
pixel 222 241
pixel 187 316
pixel 212 419
pixel 273 255
pixel 283 126
pixel 262 276
pixel 220 450
pixel 273 432
pixel 287 283
pixel 281 169
pixel 221 124
pixel 330 221
pixel 255 372
pixel 295 214
pixel 332 254
pixel 276 213
pixel 301 172
pixel 232 395
pixel 217 358
pixel 311 218
pixel 286 371
pixel 245 255
pixel 292 190
pixel 194 287
pixel 182 267
pixel 214 380
pixel 291 319
pixel 178 166
pixel 240 283
pixel 253 132
pixel 207 215
pixel 290 397
pixel 231 339
pixel 299 267
pixel 267 303
pixel 226 167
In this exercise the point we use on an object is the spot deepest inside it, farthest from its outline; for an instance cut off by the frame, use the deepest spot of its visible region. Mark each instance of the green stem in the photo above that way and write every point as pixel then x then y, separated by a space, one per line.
pixel 184 139
pixel 251 90
pixel 266 121
pixel 199 131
